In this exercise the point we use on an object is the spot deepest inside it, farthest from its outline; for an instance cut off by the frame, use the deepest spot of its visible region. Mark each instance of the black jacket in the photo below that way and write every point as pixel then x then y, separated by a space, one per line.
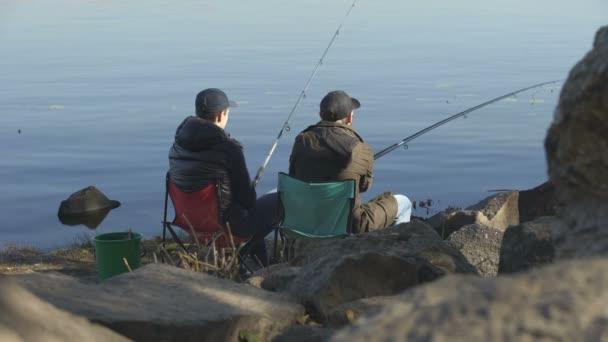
pixel 204 153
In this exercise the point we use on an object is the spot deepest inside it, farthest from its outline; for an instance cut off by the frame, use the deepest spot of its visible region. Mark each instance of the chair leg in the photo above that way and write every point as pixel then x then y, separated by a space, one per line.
pixel 292 249
pixel 258 250
pixel 275 250
pixel 244 264
pixel 166 206
pixel 284 241
pixel 176 238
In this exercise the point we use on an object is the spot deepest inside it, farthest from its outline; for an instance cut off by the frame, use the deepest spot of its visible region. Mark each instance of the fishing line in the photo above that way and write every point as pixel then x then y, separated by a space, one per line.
pixel 455 116
pixel 286 127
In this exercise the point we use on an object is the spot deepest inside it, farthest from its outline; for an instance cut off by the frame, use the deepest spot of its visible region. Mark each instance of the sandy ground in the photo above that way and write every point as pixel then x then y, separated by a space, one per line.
pixel 75 261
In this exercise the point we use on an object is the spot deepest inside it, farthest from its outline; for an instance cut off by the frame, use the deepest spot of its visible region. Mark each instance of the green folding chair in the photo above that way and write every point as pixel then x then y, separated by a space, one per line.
pixel 314 210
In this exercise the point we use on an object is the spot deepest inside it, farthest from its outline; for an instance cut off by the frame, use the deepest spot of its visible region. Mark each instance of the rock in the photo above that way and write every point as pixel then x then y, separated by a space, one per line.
pixel 601 37
pixel 537 202
pixel 480 245
pixel 562 302
pixel 577 154
pixel 501 210
pixel 274 277
pixel 327 273
pixel 329 282
pixel 305 333
pixel 85 200
pixel 497 211
pixel 87 206
pixel 91 219
pixel 528 245
pixel 447 222
pixel 278 280
pixel 163 303
pixel 24 317
pixel 407 239
pixel 352 312
pixel 255 281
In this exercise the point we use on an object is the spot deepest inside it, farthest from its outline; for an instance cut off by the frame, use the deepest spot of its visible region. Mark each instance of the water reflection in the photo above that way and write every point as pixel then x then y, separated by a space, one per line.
pixel 91 219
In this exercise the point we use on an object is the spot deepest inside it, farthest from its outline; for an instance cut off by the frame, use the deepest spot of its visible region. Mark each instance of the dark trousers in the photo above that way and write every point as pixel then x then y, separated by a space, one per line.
pixel 260 224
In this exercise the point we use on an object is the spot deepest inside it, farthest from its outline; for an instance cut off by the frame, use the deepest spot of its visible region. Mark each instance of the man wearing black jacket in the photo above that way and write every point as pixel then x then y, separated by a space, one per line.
pixel 203 152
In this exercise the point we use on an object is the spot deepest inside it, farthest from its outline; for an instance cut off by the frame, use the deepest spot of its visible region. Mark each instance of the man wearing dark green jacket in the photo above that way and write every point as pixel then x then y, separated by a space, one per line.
pixel 332 150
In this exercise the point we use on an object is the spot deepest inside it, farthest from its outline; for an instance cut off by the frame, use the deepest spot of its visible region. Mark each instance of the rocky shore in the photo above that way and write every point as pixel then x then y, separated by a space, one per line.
pixel 517 266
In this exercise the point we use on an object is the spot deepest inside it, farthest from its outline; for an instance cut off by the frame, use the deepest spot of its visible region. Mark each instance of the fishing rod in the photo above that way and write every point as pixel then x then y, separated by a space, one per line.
pixel 455 116
pixel 285 127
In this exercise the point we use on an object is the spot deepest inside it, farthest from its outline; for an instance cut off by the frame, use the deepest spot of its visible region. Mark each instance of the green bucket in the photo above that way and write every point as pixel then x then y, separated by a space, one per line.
pixel 112 248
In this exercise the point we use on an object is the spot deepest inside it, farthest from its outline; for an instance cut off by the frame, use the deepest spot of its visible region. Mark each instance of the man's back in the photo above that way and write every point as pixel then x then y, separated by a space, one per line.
pixel 204 153
pixel 330 151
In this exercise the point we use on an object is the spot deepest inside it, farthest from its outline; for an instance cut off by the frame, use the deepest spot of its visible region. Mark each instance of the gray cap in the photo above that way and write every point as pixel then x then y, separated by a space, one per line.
pixel 338 104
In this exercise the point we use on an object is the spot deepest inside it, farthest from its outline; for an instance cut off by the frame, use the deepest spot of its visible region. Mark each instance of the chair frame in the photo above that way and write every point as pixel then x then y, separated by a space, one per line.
pixel 168 225
pixel 281 211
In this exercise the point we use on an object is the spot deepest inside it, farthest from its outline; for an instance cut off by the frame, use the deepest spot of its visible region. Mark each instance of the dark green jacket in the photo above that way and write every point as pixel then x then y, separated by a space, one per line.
pixel 330 151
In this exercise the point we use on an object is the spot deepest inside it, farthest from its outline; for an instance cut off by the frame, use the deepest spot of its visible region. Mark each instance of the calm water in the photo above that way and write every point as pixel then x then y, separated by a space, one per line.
pixel 97 88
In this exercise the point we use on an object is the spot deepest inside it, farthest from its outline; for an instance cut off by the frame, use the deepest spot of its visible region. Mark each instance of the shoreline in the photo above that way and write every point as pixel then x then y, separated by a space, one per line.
pixel 76 260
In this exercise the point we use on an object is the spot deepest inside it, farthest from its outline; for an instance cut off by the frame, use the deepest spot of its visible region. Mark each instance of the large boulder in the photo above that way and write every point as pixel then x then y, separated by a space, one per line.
pixel 329 272
pixel 88 206
pixel 497 211
pixel 328 282
pixel 352 312
pixel 24 317
pixel 480 245
pixel 447 222
pixel 577 154
pixel 163 303
pixel 501 209
pixel 278 277
pixel 305 333
pixel 86 200
pixel 274 277
pixel 537 202
pixel 528 245
pixel 562 302
pixel 415 238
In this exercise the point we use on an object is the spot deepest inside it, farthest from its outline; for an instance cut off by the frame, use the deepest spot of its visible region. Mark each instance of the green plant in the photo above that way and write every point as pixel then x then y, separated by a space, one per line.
pixel 248 336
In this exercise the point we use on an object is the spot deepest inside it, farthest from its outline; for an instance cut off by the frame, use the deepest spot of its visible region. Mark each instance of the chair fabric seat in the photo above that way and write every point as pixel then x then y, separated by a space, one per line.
pixel 315 209
pixel 197 213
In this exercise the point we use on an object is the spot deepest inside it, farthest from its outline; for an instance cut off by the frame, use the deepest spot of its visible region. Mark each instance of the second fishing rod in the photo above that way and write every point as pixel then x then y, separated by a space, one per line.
pixel 285 127
pixel 404 141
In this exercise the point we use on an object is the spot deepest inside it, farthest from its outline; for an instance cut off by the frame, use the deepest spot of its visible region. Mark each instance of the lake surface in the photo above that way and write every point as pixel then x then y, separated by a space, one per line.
pixel 91 93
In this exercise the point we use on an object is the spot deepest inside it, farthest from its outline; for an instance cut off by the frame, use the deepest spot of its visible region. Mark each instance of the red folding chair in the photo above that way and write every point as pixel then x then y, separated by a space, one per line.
pixel 197 213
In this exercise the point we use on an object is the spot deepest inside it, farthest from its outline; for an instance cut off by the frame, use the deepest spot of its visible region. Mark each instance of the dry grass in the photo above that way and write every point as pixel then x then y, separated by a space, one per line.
pixel 78 259
pixel 79 262
pixel 206 257
pixel 16 252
